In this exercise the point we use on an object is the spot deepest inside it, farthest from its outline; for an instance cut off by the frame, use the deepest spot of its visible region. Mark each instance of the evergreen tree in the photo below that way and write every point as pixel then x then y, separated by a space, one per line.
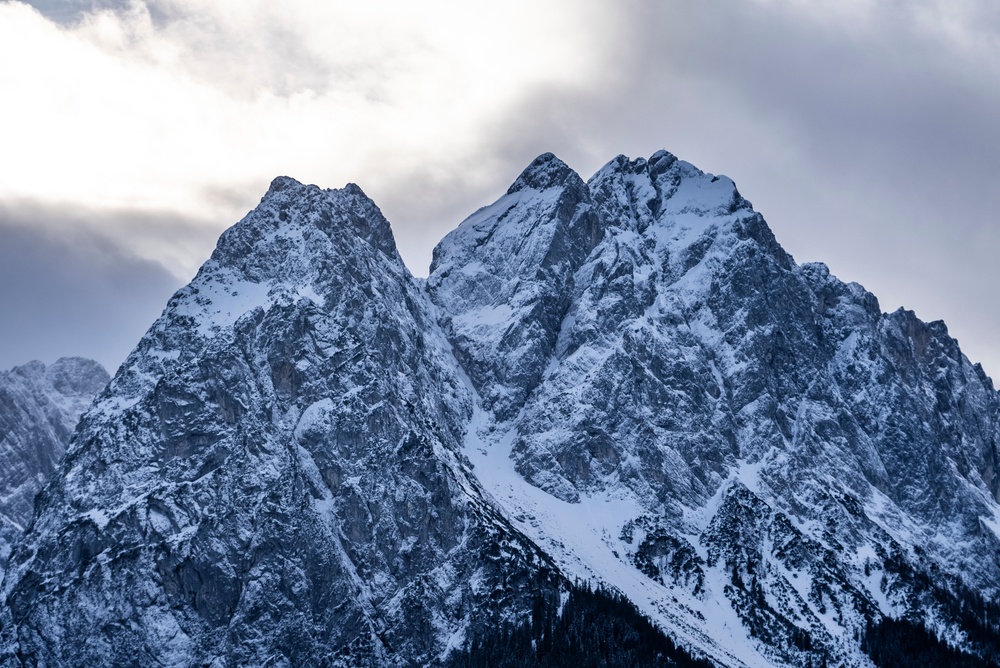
pixel 595 629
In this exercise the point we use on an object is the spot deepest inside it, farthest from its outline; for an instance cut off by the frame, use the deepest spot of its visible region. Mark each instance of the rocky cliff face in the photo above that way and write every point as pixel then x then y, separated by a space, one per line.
pixel 314 458
pixel 39 407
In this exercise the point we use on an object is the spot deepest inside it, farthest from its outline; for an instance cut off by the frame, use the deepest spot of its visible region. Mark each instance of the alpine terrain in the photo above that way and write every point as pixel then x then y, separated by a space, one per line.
pixel 617 421
pixel 39 407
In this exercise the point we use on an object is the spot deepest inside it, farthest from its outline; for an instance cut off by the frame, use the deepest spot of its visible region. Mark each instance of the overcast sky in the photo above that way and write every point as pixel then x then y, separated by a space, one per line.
pixel 132 133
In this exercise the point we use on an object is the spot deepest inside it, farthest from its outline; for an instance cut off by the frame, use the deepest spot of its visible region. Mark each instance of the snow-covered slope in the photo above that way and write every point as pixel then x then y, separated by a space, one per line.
pixel 39 407
pixel 313 458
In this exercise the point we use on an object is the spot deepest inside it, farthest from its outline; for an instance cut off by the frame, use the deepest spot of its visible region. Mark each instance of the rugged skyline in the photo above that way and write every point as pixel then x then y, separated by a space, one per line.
pixel 866 133
pixel 313 457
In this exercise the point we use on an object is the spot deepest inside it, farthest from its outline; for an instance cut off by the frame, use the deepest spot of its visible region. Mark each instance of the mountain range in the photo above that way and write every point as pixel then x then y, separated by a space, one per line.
pixel 622 387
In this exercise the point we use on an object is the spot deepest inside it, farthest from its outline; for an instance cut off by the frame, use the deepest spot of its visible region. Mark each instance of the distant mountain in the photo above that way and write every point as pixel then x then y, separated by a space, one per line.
pixel 313 458
pixel 39 408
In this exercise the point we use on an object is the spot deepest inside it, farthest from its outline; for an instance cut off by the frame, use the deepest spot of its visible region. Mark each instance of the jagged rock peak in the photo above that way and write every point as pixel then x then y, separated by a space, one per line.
pixel 635 193
pixel 546 171
pixel 657 163
pixel 661 160
pixel 67 375
pixel 280 183
pixel 77 375
pixel 289 203
pixel 500 278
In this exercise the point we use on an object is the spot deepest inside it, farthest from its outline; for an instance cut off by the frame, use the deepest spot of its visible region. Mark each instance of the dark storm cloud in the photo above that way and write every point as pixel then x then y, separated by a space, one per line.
pixel 68 291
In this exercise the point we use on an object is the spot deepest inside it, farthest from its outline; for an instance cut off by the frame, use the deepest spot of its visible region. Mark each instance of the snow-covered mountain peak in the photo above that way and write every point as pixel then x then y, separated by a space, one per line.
pixel 293 211
pixel 545 172
pixel 69 384
pixel 77 376
pixel 503 275
pixel 279 183
pixel 297 243
pixel 301 249
pixel 698 372
pixel 634 194
pixel 656 164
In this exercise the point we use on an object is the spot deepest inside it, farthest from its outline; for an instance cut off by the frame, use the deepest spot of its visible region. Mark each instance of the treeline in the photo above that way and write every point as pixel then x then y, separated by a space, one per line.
pixel 596 629
pixel 977 616
pixel 897 643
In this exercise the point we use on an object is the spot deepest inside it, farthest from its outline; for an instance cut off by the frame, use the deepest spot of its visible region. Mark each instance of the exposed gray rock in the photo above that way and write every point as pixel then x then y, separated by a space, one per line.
pixel 503 280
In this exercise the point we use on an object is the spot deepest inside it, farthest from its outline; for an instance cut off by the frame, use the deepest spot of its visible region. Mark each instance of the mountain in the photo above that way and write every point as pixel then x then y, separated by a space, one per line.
pixel 275 474
pixel 39 407
pixel 313 458
pixel 755 438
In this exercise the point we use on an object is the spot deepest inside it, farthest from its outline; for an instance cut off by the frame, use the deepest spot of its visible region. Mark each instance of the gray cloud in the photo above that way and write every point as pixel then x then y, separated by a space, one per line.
pixel 69 11
pixel 869 138
pixel 68 291
pixel 428 201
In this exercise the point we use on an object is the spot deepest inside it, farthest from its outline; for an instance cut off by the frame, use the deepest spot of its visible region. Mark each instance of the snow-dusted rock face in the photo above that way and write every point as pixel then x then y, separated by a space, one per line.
pixel 274 476
pixel 504 277
pixel 39 407
pixel 314 459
